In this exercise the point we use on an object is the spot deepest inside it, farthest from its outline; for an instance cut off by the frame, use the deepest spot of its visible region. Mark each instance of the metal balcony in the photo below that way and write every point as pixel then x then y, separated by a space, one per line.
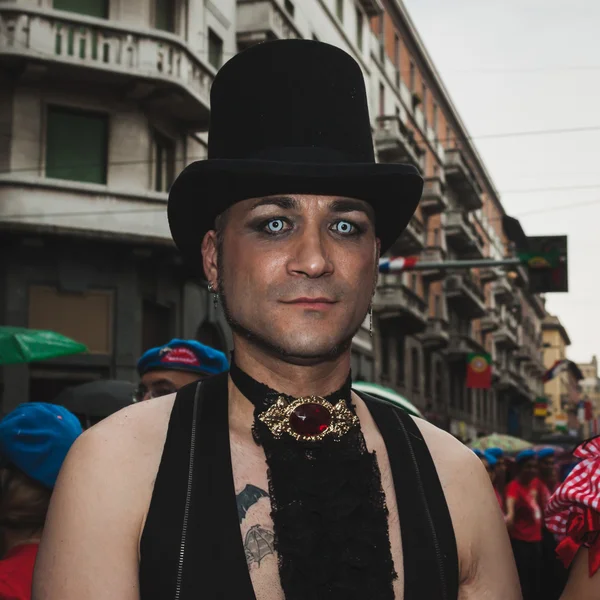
pixel 436 334
pixel 412 239
pixel 466 295
pixel 489 274
pixel 508 380
pixel 261 21
pixel 460 177
pixel 152 67
pixel 462 235
pixel 433 200
pixel 507 335
pixel 490 321
pixel 395 300
pixel 396 143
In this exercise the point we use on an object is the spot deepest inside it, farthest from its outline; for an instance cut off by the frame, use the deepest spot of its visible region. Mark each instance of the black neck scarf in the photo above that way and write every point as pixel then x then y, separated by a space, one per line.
pixel 328 506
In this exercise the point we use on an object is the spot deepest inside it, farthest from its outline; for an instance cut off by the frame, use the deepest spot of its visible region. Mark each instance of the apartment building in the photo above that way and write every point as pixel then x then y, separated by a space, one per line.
pixel 590 394
pixel 101 101
pixel 105 101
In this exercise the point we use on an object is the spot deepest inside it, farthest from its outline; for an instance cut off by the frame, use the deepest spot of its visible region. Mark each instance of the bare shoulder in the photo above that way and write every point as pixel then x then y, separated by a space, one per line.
pixel 99 505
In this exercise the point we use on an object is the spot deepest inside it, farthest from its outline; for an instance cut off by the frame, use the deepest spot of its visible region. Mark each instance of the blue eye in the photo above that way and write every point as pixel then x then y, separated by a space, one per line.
pixel 275 226
pixel 344 227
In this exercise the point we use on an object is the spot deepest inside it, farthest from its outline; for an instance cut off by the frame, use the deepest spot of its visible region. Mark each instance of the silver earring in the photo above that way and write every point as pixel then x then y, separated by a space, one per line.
pixel 215 294
pixel 371 320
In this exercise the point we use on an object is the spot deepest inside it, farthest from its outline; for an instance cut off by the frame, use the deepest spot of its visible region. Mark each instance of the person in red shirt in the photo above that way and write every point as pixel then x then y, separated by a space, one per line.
pixel 34 440
pixel 492 466
pixel 524 521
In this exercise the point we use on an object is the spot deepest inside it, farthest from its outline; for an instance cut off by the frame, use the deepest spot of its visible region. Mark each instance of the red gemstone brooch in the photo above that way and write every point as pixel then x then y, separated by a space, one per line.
pixel 309 419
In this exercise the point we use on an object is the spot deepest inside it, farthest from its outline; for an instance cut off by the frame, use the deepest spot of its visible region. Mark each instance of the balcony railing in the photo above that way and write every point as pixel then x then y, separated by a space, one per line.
pixel 503 290
pixel 174 78
pixel 261 21
pixel 507 335
pixel 460 177
pixel 433 200
pixel 412 239
pixel 462 344
pixel 465 293
pixel 396 143
pixel 490 321
pixel 463 236
pixel 394 299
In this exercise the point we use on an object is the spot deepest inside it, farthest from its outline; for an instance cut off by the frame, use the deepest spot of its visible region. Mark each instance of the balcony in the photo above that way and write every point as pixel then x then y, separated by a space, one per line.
pixel 412 239
pixel 503 291
pixel 394 300
pixel 462 344
pixel 507 336
pixel 460 177
pixel 436 334
pixel 149 66
pixel 489 274
pixel 462 235
pixel 465 294
pixel 490 321
pixel 433 200
pixel 395 143
pixel 261 21
pixel 508 381
pixel 372 8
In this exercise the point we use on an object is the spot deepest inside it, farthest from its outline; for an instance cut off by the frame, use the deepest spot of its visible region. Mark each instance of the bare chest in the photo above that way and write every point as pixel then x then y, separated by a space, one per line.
pixel 256 525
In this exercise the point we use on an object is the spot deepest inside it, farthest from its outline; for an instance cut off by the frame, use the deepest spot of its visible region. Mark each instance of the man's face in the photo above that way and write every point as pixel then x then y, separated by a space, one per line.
pixel 529 470
pixel 296 273
pixel 546 465
pixel 160 383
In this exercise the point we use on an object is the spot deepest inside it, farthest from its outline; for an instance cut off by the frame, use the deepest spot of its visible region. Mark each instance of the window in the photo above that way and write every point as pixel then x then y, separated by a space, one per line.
pixel 164 15
pixel 397 50
pixel 76 145
pixel 416 370
pixel 339 9
pixel 400 362
pixel 92 8
pixel 157 324
pixel 289 7
pixel 359 28
pixel 215 49
pixel 424 100
pixel 381 100
pixel 86 317
pixel 412 76
pixel 163 162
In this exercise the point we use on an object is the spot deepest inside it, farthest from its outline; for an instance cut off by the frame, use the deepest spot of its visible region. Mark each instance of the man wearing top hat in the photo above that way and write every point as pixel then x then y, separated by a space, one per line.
pixel 275 480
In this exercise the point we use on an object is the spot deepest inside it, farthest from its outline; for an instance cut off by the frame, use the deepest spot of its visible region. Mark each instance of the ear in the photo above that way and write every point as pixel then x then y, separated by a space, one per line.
pixel 209 258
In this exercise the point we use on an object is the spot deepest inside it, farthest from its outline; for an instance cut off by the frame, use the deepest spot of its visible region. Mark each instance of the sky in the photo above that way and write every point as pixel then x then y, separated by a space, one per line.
pixel 516 66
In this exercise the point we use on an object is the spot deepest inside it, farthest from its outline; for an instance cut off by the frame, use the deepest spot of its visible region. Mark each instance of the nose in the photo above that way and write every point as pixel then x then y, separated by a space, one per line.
pixel 310 256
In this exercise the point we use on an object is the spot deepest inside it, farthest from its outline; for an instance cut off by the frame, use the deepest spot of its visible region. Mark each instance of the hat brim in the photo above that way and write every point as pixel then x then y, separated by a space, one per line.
pixel 206 188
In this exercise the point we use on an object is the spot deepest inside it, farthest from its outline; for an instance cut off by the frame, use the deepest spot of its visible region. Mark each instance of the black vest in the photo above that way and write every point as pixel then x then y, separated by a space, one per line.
pixel 191 546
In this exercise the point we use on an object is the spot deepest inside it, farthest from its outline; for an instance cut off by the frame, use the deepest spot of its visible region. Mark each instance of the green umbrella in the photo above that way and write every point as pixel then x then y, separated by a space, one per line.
pixel 22 345
pixel 508 443
pixel 388 395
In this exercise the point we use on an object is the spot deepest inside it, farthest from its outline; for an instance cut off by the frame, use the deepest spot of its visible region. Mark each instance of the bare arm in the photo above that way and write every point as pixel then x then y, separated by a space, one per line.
pixel 580 585
pixel 487 568
pixel 510 511
pixel 90 543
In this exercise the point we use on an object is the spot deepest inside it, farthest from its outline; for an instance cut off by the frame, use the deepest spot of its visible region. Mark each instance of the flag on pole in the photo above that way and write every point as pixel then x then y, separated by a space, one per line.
pixel 556 369
pixel 540 408
pixel 396 264
pixel 479 371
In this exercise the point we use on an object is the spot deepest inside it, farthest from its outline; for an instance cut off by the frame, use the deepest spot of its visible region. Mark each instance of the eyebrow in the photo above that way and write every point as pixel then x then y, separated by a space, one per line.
pixel 341 205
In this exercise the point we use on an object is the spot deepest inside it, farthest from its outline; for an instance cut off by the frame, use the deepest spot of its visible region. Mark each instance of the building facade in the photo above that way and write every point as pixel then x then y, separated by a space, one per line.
pixel 590 395
pixel 105 101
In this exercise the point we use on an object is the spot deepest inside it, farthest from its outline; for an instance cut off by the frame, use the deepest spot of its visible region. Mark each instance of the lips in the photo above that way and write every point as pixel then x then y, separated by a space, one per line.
pixel 311 301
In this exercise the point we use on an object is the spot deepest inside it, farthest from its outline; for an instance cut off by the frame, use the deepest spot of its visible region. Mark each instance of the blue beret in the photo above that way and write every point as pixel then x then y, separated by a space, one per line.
pixel 478 452
pixel 525 455
pixel 495 452
pixel 492 460
pixel 183 355
pixel 35 437
pixel 545 452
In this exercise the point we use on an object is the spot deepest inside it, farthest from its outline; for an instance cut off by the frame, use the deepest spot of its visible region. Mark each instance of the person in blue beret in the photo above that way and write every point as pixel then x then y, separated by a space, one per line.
pixel 165 369
pixel 547 466
pixel 34 440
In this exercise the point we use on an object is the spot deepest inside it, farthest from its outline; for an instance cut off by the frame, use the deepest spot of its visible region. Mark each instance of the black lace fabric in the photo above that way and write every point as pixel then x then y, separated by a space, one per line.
pixel 328 508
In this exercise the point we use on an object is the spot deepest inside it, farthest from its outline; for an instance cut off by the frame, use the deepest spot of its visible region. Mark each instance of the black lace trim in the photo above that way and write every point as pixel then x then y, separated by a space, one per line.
pixel 328 508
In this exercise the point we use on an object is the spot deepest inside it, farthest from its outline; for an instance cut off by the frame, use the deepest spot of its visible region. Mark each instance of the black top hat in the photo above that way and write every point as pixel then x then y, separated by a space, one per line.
pixel 289 117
